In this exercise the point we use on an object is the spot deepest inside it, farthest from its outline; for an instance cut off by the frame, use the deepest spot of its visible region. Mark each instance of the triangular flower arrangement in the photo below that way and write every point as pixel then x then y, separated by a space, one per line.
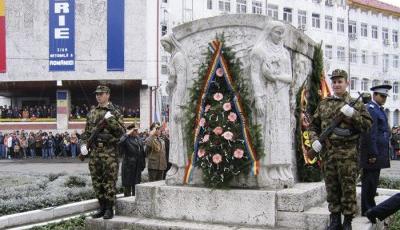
pixel 222 143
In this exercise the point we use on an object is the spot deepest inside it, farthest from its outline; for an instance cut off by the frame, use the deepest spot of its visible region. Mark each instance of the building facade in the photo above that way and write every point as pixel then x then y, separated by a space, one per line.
pixel 359 36
pixel 27 78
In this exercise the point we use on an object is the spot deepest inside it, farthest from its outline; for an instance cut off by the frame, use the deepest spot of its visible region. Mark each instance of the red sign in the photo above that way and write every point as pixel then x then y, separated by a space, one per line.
pixel 2 37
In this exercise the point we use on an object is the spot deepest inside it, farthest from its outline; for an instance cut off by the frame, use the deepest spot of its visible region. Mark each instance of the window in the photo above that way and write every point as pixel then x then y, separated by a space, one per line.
pixel 272 11
pixel 353 83
pixel 396 61
pixel 241 6
pixel 328 51
pixel 374 31
pixel 340 54
pixel 287 15
pixel 302 18
pixel 395 88
pixel 364 84
pixel 163 30
pixel 257 7
pixel 395 37
pixel 328 22
pixel 164 69
pixel 340 25
pixel 375 58
pixel 352 27
pixel 224 5
pixel 385 62
pixel 353 55
pixel 375 83
pixel 385 36
pixel 164 59
pixel 209 4
pixel 395 114
pixel 165 1
pixel 364 30
pixel 364 57
pixel 315 21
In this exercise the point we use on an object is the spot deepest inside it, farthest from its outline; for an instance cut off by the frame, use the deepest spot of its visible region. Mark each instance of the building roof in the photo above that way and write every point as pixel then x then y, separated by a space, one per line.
pixel 377 6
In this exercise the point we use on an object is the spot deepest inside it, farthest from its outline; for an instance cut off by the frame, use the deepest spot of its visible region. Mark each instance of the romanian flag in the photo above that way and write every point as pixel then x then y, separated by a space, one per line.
pixel 2 37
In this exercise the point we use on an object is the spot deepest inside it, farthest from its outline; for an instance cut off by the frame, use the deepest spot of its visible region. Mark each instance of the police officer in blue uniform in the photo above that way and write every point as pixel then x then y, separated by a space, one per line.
pixel 384 209
pixel 374 147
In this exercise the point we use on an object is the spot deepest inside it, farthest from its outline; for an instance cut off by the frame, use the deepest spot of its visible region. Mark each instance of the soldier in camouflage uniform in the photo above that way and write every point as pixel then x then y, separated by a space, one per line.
pixel 339 152
pixel 103 163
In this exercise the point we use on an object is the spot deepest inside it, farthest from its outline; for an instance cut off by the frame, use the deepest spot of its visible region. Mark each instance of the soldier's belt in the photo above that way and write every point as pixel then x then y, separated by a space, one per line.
pixel 343 132
pixel 330 143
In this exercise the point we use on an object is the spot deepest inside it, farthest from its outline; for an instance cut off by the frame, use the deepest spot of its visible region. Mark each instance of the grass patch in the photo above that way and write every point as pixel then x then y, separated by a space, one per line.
pixel 389 182
pixel 71 224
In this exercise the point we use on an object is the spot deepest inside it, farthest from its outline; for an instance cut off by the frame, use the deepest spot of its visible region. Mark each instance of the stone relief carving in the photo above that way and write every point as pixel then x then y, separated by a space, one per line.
pixel 179 73
pixel 271 76
pixel 276 59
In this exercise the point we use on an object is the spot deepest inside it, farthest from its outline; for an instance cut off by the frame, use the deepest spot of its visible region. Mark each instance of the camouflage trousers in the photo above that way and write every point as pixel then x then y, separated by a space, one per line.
pixel 103 166
pixel 340 168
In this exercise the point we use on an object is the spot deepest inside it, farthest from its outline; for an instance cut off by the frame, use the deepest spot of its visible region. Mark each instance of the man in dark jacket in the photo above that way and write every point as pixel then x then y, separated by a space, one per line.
pixel 374 147
pixel 133 160
pixel 384 209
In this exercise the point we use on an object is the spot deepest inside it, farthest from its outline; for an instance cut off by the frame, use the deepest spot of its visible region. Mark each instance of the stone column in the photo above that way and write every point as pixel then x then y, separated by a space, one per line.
pixel 144 107
pixel 63 108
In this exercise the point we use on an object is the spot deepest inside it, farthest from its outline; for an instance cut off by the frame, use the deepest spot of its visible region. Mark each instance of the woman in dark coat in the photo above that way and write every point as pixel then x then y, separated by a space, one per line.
pixel 133 160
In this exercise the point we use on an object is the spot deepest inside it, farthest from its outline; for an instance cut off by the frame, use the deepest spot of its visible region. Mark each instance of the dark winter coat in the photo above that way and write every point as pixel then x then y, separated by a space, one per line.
pixel 133 159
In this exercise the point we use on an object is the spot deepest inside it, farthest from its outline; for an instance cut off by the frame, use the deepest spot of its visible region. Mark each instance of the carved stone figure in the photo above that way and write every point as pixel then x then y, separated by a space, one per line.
pixel 177 91
pixel 271 77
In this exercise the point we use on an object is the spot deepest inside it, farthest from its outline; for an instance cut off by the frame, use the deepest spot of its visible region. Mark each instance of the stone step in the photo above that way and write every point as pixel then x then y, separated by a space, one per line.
pixel 139 223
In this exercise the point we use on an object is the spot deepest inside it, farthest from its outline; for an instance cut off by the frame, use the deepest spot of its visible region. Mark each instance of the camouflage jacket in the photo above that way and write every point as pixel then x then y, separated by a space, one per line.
pixel 329 107
pixel 112 130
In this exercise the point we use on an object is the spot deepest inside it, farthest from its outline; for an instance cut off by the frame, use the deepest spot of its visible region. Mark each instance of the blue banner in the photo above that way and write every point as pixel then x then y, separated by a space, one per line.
pixel 61 35
pixel 115 35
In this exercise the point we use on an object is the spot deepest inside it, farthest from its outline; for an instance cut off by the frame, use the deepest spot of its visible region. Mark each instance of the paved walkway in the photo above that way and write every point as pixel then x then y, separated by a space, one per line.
pixel 39 165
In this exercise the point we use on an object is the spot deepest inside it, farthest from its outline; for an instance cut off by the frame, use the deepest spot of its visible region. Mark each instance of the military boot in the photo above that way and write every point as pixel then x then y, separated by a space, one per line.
pixel 335 222
pixel 127 191
pixel 102 209
pixel 109 214
pixel 347 222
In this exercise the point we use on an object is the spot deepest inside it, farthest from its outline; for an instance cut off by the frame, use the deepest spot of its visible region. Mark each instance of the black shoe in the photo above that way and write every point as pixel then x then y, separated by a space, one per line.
pixel 347 222
pixel 335 222
pixel 370 217
pixel 100 212
pixel 109 214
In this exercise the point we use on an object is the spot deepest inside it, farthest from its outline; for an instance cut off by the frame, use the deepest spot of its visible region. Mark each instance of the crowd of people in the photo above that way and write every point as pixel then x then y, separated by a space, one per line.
pixel 81 111
pixel 50 111
pixel 25 112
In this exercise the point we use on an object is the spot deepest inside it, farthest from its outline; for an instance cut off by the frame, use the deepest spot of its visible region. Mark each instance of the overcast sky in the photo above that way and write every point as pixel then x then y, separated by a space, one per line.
pixel 393 2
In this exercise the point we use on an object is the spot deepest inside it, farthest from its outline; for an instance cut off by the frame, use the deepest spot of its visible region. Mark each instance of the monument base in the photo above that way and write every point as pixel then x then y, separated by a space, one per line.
pixel 158 206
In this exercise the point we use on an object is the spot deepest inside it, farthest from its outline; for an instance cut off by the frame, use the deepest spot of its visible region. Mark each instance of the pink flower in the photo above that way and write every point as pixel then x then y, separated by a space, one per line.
pixel 218 130
pixel 228 135
pixel 218 96
pixel 217 158
pixel 206 138
pixel 207 108
pixel 238 153
pixel 227 106
pixel 220 72
pixel 232 117
pixel 201 153
pixel 202 122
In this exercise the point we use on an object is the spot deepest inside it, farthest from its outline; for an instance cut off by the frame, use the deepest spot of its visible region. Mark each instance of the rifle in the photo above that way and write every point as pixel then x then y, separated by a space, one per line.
pixel 334 123
pixel 92 137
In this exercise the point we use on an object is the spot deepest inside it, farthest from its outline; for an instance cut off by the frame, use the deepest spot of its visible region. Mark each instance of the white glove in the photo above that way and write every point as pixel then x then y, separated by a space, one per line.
pixel 347 110
pixel 84 150
pixel 108 115
pixel 316 145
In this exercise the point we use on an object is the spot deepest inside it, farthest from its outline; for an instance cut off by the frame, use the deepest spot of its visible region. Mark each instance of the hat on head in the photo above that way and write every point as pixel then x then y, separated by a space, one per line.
pixel 382 89
pixel 339 73
pixel 102 89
